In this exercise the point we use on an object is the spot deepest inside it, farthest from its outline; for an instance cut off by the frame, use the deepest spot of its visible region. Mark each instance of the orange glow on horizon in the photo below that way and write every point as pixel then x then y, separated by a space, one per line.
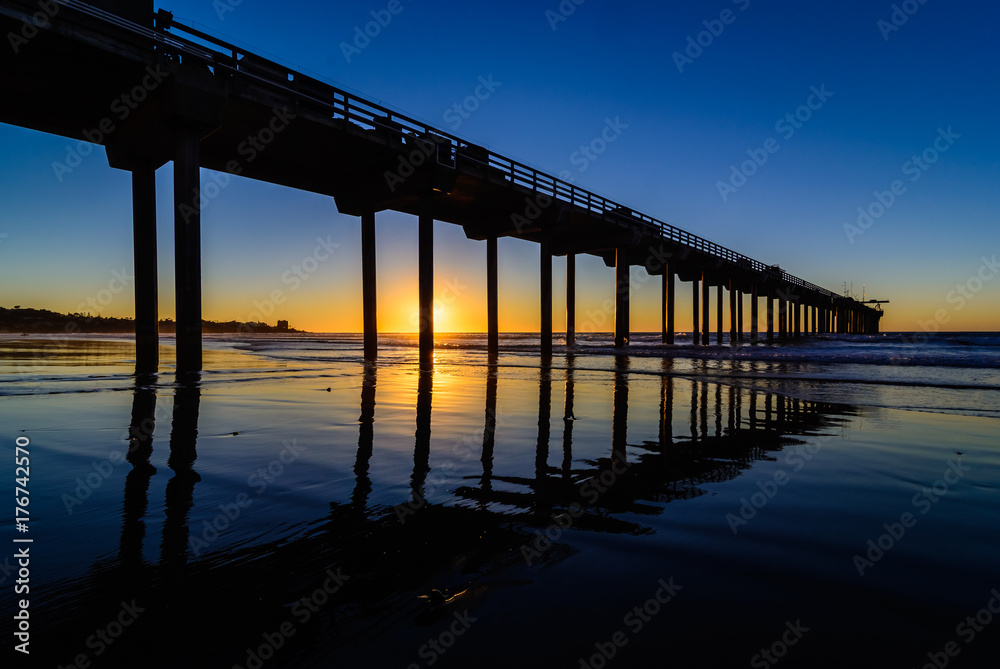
pixel 460 305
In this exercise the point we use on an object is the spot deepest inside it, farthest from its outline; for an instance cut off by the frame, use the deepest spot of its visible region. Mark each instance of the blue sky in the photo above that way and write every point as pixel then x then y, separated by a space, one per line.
pixel 888 95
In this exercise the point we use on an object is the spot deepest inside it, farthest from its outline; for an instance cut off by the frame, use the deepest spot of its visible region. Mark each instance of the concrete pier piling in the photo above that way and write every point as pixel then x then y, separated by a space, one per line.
pixel 147 339
pixel 368 286
pixel 187 250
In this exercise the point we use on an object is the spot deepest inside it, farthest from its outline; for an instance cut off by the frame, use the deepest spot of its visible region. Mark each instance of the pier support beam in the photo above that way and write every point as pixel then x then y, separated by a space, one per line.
pixel 798 318
pixel 718 315
pixel 425 281
pixel 770 316
pixel 782 318
pixel 545 253
pixel 695 322
pixel 368 285
pixel 739 316
pixel 705 325
pixel 147 337
pixel 754 315
pixel 187 250
pixel 571 299
pixel 621 298
pixel 668 305
pixel 492 300
pixel 815 315
pixel 732 314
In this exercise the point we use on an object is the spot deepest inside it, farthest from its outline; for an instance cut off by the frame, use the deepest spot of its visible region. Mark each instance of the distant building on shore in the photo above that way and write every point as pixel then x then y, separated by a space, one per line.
pixel 282 325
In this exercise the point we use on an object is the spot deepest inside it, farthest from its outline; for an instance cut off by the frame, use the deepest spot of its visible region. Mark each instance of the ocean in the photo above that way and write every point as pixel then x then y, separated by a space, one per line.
pixel 829 502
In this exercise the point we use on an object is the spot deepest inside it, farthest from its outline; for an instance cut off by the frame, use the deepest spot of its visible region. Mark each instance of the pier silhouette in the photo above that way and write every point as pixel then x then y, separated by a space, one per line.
pixel 188 97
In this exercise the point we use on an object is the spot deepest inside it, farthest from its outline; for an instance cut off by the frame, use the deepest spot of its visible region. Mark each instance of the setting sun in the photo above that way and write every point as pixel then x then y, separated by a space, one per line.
pixel 442 319
pixel 442 322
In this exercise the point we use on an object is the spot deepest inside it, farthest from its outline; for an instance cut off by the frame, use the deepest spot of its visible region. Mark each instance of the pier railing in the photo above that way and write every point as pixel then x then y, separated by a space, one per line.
pixel 175 40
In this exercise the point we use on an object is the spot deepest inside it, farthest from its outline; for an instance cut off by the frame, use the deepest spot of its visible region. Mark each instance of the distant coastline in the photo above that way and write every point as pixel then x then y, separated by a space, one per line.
pixel 43 321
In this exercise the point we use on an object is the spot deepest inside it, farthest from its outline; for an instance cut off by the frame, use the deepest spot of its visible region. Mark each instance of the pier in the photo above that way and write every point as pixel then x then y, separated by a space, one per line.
pixel 178 94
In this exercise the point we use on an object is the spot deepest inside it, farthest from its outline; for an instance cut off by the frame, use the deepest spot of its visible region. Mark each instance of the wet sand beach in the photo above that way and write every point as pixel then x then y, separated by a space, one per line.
pixel 292 506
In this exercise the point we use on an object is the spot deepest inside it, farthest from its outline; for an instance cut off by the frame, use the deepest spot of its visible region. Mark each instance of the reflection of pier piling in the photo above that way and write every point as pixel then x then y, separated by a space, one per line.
pixel 568 418
pixel 730 428
pixel 366 439
pixel 544 421
pixel 639 468
pixel 667 407
pixel 490 428
pixel 619 416
pixel 180 488
pixel 422 446
pixel 136 499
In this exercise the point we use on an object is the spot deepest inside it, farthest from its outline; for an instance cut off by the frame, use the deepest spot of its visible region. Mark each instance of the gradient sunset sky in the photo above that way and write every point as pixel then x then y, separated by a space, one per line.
pixel 895 96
